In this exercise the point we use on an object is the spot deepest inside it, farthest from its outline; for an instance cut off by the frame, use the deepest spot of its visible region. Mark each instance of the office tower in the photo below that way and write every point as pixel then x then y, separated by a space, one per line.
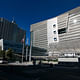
pixel 11 35
pixel 58 35
pixel 10 31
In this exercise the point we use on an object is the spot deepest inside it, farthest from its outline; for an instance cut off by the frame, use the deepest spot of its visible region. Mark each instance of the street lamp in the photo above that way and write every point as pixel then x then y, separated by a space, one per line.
pixel 30 52
pixel 27 49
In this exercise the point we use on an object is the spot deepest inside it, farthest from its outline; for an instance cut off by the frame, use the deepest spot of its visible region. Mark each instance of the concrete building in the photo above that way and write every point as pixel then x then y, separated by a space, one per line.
pixel 11 35
pixel 59 35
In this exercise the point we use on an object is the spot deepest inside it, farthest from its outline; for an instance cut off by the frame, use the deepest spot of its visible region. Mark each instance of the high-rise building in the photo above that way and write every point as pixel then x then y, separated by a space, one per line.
pixel 11 35
pixel 10 31
pixel 58 35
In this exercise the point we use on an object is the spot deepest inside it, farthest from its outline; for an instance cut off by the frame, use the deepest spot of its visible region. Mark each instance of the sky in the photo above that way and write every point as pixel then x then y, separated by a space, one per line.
pixel 27 12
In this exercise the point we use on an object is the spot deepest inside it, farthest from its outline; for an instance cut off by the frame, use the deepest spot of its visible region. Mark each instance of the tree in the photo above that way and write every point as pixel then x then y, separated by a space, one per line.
pixel 2 54
pixel 9 54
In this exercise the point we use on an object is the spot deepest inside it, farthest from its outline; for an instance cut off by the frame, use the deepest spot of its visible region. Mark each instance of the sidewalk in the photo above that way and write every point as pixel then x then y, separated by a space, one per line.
pixel 24 63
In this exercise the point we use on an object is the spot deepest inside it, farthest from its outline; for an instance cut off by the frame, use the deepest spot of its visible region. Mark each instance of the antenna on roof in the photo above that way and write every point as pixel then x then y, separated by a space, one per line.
pixel 13 21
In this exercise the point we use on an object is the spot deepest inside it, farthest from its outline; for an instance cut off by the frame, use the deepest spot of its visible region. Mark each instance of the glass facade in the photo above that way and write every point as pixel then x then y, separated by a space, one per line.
pixel 10 31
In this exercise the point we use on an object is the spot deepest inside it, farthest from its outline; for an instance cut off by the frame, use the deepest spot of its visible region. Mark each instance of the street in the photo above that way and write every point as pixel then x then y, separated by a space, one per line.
pixel 10 72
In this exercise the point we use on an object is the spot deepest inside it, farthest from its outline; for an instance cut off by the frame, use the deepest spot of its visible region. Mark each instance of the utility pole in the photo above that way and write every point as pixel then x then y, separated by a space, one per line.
pixel 22 52
pixel 30 48
pixel 23 41
pixel 27 49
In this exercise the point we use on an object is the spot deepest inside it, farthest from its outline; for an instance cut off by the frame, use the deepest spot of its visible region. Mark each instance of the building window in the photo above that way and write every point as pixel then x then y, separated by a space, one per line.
pixel 61 31
pixel 54 32
pixel 55 39
pixel 54 25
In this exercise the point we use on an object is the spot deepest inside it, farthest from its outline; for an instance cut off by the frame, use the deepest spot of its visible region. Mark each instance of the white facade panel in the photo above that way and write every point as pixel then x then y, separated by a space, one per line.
pixel 1 44
pixel 52 30
pixel 68 60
